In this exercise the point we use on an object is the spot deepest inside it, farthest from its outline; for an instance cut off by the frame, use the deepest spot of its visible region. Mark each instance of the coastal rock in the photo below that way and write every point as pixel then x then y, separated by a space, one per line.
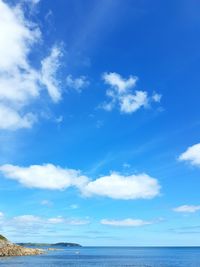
pixel 3 241
pixel 15 250
pixel 9 249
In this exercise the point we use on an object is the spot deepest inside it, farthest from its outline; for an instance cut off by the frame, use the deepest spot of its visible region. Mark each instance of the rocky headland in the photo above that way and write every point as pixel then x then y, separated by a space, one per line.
pixel 9 249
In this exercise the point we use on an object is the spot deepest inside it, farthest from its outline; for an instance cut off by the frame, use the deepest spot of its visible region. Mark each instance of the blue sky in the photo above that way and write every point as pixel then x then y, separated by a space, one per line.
pixel 99 121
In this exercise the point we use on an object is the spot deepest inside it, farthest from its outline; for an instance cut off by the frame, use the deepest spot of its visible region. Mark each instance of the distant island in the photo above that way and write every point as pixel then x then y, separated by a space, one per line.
pixel 22 249
pixel 61 244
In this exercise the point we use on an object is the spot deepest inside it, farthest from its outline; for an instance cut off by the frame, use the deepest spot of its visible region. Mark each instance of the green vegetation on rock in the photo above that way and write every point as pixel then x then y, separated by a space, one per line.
pixel 2 238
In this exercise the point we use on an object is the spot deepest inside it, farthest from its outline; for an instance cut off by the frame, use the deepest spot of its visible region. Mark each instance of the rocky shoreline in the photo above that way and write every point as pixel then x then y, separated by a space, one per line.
pixel 8 249
pixel 15 250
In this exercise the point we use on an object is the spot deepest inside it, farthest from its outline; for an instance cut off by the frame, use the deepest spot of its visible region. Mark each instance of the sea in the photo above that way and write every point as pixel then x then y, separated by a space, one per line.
pixel 111 257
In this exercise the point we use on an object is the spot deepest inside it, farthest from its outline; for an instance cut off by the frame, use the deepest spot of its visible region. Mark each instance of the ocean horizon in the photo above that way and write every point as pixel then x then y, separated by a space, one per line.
pixel 111 257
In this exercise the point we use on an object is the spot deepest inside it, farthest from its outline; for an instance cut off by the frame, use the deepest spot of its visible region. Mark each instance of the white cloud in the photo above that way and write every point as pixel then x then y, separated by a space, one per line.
pixel 123 187
pixel 12 120
pixel 187 208
pixel 126 222
pixel 118 83
pixel 130 103
pixel 116 186
pixel 192 155
pixel 49 67
pixel 156 97
pixel 21 83
pixel 121 93
pixel 1 214
pixel 17 37
pixel 77 83
pixel 45 176
pixel 17 78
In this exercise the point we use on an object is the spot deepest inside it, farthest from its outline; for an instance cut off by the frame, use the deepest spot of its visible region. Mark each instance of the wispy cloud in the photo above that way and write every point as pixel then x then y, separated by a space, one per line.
pixel 156 97
pixel 49 68
pixel 46 202
pixel 32 225
pixel 74 206
pixel 32 2
pixel 125 222
pixel 78 83
pixel 32 219
pixel 186 229
pixel 126 165
pixel 187 208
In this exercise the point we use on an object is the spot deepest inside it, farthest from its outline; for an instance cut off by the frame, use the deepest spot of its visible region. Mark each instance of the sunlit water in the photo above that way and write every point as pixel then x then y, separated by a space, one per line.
pixel 110 256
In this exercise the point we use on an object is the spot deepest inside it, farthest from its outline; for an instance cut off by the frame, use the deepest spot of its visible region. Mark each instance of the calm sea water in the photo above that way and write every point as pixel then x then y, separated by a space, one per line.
pixel 111 257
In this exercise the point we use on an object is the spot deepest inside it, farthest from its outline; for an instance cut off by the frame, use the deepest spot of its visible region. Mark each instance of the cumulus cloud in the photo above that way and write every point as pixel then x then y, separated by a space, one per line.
pixel 187 208
pixel 124 187
pixel 116 81
pixel 192 155
pixel 20 82
pixel 77 83
pixel 126 222
pixel 45 176
pixel 121 93
pixel 131 102
pixel 116 186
